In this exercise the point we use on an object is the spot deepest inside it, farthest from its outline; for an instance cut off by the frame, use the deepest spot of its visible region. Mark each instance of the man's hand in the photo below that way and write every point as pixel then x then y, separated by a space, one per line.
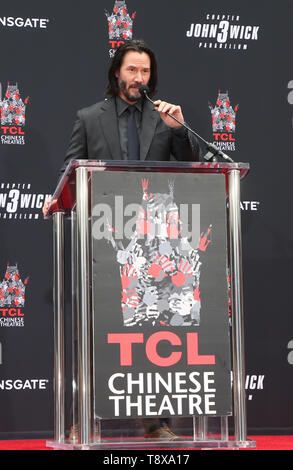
pixel 46 205
pixel 162 107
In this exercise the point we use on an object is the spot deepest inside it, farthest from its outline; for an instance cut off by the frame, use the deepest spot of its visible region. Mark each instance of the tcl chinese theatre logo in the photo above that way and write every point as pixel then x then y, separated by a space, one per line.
pixel 13 115
pixel 12 298
pixel 120 25
pixel 223 116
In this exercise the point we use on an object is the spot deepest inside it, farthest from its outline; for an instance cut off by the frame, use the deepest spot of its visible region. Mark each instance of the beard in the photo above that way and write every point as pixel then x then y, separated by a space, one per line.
pixel 134 96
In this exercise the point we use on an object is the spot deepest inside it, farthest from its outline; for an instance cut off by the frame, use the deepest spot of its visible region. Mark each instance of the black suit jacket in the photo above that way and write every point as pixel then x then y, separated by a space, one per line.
pixel 95 136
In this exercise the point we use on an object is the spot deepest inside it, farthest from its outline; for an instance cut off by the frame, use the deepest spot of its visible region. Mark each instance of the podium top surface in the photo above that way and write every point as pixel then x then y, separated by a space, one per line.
pixel 64 196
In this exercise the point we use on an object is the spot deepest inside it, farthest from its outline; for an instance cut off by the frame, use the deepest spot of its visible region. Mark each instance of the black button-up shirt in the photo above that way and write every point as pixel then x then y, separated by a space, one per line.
pixel 122 115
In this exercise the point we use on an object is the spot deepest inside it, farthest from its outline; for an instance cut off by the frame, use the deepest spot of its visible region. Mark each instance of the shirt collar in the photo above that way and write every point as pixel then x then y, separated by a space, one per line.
pixel 122 105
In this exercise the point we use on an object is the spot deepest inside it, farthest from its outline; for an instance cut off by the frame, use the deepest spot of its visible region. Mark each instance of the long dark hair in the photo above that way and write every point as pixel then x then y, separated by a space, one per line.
pixel 137 45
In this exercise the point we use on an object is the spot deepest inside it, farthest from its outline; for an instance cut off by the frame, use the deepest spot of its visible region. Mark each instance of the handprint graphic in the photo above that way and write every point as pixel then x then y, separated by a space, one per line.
pixel 159 269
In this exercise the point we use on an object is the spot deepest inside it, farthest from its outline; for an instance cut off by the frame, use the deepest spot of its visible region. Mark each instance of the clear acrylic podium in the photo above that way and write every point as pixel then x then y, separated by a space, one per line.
pixel 72 201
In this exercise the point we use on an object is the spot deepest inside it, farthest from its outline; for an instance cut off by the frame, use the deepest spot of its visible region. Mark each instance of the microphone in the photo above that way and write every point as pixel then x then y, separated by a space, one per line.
pixel 213 151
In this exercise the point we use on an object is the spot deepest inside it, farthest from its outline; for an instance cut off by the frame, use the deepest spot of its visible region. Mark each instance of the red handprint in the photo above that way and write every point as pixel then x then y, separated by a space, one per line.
pixel 196 294
pixel 129 297
pixel 183 273
pixel 145 184
pixel 204 241
pixel 128 275
pixel 159 265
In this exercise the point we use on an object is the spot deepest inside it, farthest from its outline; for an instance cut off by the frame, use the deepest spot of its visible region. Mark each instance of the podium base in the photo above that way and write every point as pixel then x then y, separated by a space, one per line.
pixel 144 444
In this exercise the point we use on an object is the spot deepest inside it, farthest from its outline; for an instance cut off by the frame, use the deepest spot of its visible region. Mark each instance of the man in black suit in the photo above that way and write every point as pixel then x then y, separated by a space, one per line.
pixel 127 127
pixel 101 131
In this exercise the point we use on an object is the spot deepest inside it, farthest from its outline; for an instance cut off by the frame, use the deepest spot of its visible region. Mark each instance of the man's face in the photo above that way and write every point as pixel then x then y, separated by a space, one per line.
pixel 135 71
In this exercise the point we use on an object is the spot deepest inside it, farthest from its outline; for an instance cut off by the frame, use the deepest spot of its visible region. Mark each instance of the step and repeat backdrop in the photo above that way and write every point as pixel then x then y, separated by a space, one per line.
pixel 229 65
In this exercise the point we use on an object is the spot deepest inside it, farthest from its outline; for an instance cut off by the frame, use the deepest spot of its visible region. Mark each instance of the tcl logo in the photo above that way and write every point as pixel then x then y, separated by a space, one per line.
pixel 223 136
pixel 11 312
pixel 12 130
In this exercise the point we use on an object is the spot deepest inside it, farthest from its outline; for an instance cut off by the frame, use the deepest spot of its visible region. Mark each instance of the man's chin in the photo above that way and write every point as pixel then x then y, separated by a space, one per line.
pixel 133 99
pixel 131 95
pixel 134 96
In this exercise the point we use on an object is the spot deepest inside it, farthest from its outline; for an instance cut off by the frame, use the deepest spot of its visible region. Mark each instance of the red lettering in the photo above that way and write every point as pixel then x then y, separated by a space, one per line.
pixel 116 43
pixel 12 312
pixel 192 351
pixel 125 340
pixel 12 130
pixel 151 348
pixel 224 136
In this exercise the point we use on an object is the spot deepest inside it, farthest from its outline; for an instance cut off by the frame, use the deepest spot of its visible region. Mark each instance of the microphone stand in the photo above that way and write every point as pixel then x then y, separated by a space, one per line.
pixel 213 151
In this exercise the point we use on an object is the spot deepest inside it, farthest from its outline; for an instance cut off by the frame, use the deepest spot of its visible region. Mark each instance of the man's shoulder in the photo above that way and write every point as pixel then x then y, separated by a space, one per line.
pixel 96 108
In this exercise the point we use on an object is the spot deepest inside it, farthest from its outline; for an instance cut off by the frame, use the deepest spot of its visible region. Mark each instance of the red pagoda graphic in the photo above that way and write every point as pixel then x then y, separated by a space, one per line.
pixel 12 288
pixel 120 25
pixel 223 115
pixel 12 108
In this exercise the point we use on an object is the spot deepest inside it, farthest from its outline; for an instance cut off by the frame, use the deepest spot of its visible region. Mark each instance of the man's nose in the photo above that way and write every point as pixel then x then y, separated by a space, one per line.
pixel 138 77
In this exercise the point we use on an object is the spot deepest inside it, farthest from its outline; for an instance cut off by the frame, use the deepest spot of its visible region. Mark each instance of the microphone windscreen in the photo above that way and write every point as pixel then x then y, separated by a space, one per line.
pixel 143 90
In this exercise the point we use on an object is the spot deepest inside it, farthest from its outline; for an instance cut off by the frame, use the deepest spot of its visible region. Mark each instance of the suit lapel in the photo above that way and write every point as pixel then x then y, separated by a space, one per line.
pixel 148 126
pixel 109 124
